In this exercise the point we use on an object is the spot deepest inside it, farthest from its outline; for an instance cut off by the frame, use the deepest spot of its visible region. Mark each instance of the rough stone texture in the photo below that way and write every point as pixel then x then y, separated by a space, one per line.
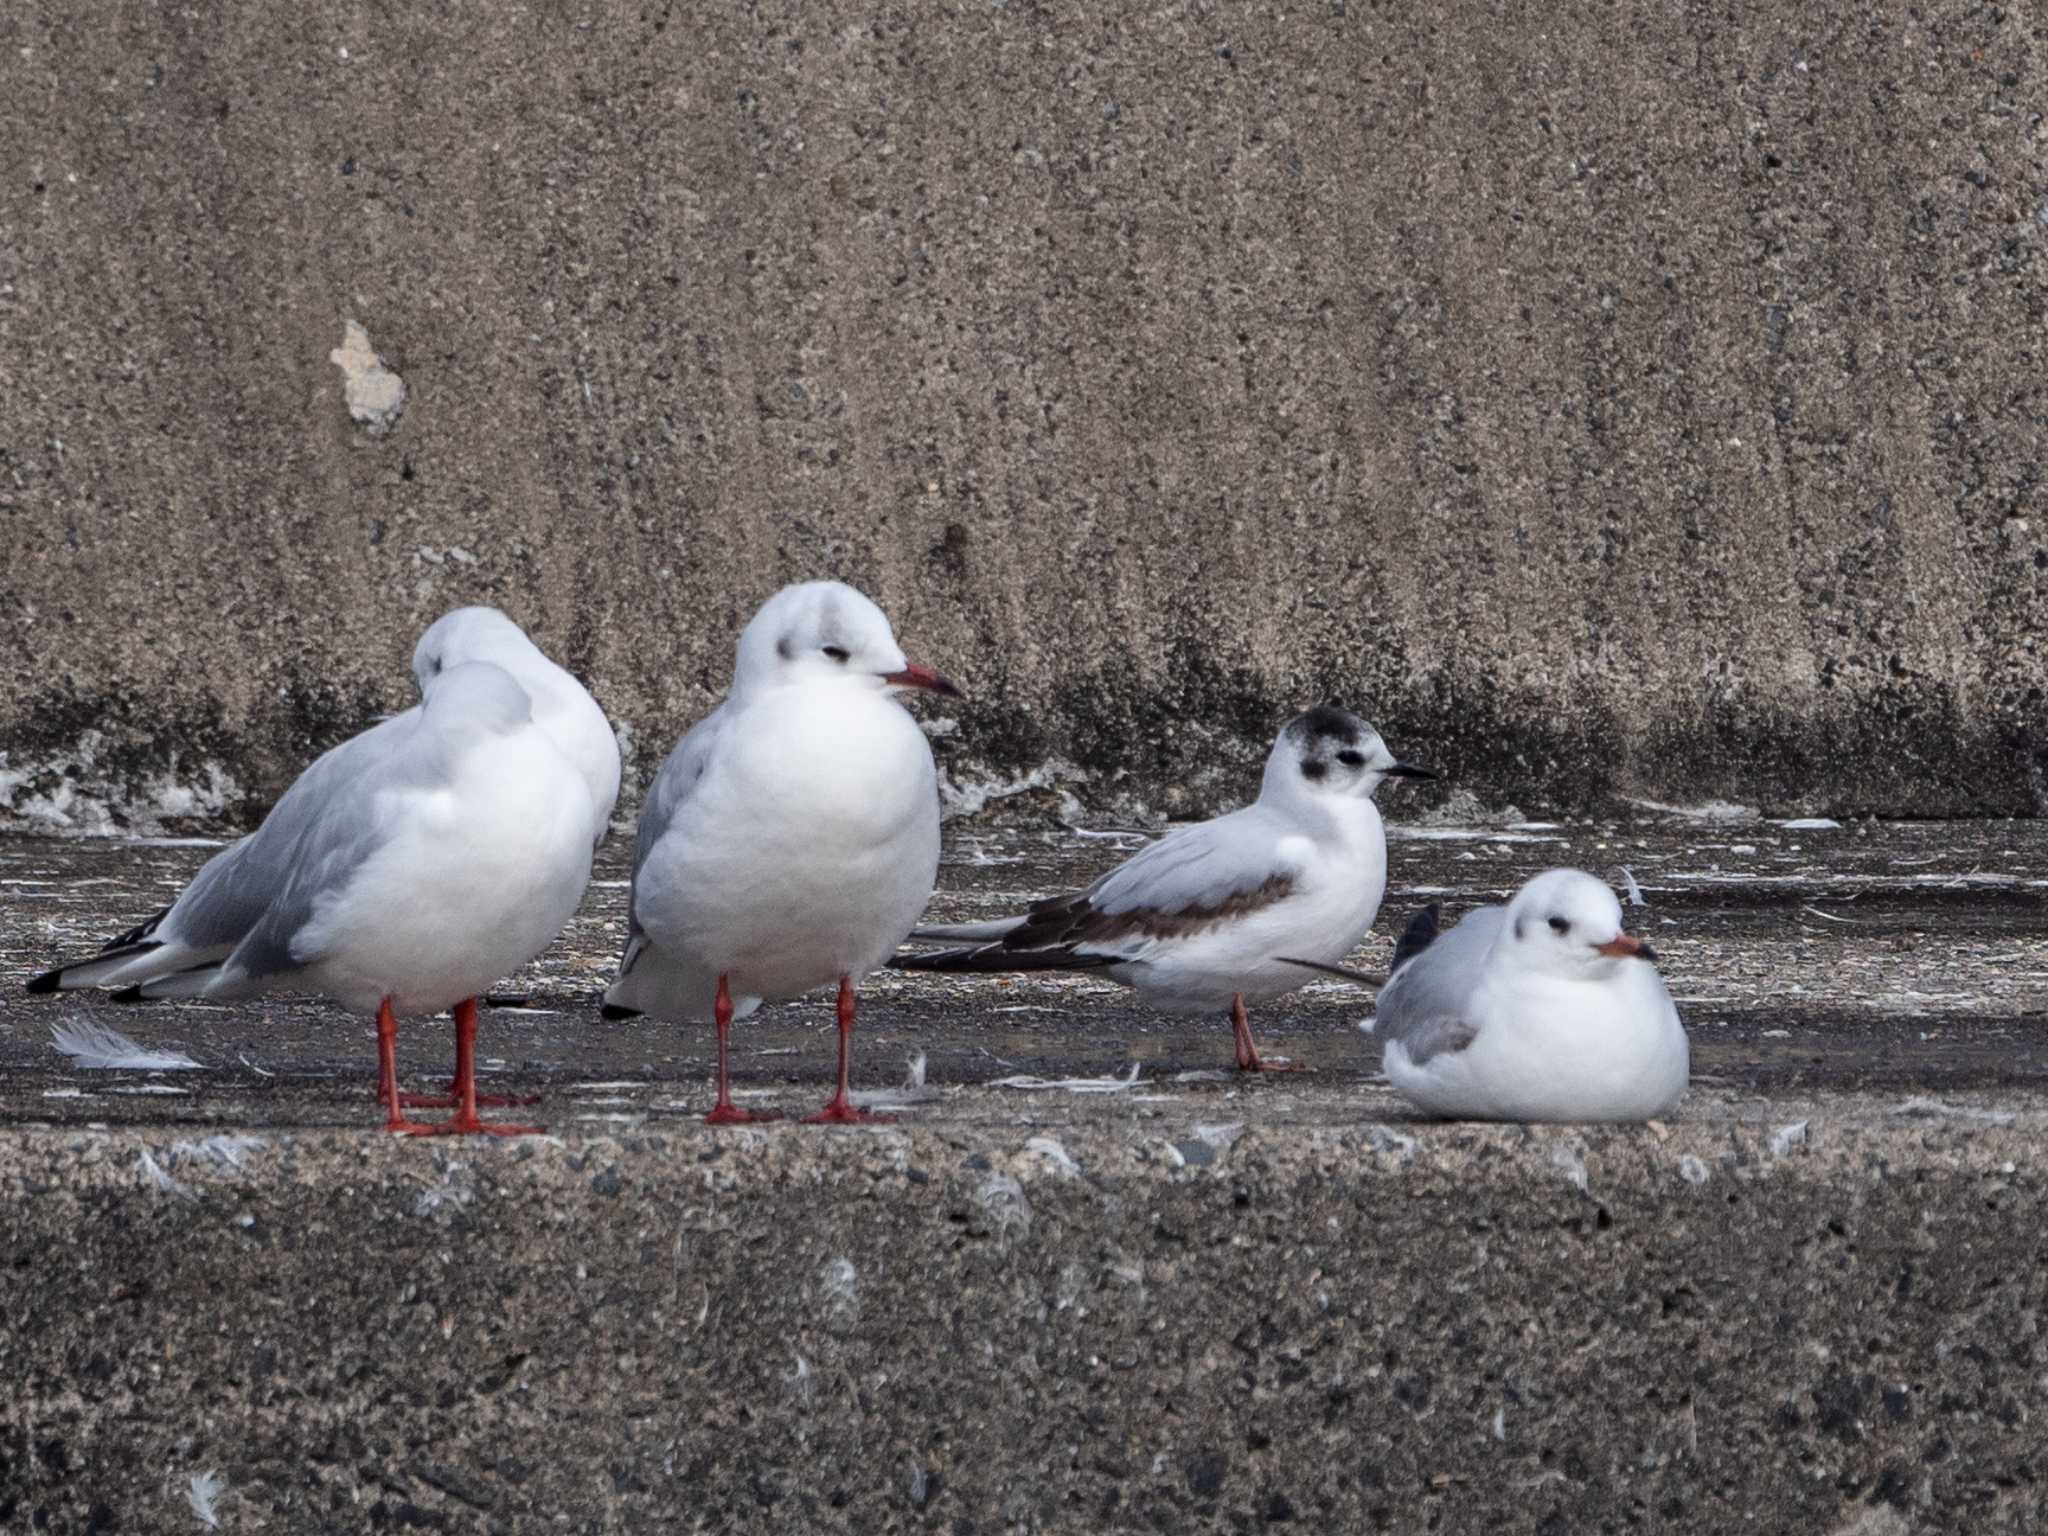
pixel 1643 400
pixel 1350 1328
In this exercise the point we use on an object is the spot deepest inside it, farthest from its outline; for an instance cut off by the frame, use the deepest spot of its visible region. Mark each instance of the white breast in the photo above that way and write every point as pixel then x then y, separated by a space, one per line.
pixel 807 850
pixel 1557 1050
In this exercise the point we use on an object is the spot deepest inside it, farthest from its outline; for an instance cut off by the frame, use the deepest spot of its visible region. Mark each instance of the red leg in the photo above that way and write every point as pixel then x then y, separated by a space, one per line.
pixel 466 1122
pixel 387 1074
pixel 725 1112
pixel 839 1109
pixel 1248 1057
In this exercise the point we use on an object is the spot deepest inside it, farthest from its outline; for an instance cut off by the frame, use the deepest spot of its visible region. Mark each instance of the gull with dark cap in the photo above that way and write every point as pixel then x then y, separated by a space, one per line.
pixel 792 837
pixel 1228 912
pixel 1544 1009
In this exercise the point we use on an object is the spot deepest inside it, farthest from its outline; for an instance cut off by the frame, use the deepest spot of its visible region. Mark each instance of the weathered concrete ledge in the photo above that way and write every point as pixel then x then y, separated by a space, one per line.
pixel 1819 1317
pixel 1633 399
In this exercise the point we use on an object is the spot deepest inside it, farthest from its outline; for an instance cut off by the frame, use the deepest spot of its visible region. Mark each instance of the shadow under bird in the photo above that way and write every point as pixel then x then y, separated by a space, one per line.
pixel 1201 919
pixel 402 873
pixel 792 837
pixel 1544 1009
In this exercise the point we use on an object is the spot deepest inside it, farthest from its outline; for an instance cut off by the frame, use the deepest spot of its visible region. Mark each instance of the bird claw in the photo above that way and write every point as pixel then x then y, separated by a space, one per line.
pixel 732 1114
pixel 843 1112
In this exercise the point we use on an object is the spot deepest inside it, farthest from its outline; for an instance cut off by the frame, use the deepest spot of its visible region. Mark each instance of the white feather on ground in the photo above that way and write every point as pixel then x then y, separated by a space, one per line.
pixel 108 1050
pixel 1111 1084
pixel 909 1096
pixel 1635 892
pixel 227 1151
pixel 202 1492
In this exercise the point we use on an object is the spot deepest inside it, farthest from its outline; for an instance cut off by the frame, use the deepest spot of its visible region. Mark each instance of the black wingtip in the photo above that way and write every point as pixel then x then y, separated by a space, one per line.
pixel 613 1012
pixel 126 995
pixel 508 999
pixel 1420 933
pixel 49 981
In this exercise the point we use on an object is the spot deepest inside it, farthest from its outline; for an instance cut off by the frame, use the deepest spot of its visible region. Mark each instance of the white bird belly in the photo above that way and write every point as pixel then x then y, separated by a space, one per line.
pixel 808 853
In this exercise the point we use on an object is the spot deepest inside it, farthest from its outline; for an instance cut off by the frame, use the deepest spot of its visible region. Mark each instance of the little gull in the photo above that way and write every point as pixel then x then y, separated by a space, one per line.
pixel 1545 1009
pixel 792 837
pixel 1202 918
pixel 403 872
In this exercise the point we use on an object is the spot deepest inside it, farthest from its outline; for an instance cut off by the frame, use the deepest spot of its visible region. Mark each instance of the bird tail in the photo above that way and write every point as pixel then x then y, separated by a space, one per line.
pixel 1342 972
pixel 1417 936
pixel 632 994
pixel 192 982
pixel 652 980
pixel 972 933
pixel 993 958
pixel 127 965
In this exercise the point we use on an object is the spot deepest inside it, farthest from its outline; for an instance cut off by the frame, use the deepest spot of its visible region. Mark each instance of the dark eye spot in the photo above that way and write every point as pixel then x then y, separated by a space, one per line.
pixel 1560 925
pixel 1314 771
pixel 837 652
pixel 1351 759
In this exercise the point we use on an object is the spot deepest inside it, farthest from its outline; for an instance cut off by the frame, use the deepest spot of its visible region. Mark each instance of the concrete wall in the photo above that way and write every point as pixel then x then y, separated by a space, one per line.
pixel 1361 1329
pixel 1639 399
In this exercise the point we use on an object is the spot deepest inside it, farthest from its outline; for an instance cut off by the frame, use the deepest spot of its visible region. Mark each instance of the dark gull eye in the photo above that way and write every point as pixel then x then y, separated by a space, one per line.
pixel 1559 925
pixel 1351 758
pixel 837 652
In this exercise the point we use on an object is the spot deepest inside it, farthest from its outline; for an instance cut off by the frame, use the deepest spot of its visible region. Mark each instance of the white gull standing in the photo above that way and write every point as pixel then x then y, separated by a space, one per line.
pixel 792 837
pixel 216 911
pixel 1544 1009
pixel 1227 912
pixel 402 873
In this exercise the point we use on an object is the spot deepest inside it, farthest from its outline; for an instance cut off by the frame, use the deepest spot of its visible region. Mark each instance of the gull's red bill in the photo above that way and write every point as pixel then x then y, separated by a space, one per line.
pixel 914 676
pixel 1625 945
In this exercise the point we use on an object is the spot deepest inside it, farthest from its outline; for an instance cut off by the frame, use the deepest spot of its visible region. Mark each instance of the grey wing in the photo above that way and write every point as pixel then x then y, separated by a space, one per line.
pixel 322 830
pixel 216 908
pixel 236 887
pixel 1184 883
pixel 1197 868
pixel 671 790
pixel 1424 1003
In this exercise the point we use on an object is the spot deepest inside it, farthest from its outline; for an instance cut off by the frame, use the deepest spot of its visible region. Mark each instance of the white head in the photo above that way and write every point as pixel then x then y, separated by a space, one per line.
pixel 477 696
pixel 1566 923
pixel 467 634
pixel 826 632
pixel 1331 752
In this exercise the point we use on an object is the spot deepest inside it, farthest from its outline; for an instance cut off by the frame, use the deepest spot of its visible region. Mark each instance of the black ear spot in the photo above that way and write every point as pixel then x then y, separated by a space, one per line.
pixel 1518 930
pixel 785 649
pixel 1314 771
pixel 1560 925
pixel 1351 758
pixel 838 653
